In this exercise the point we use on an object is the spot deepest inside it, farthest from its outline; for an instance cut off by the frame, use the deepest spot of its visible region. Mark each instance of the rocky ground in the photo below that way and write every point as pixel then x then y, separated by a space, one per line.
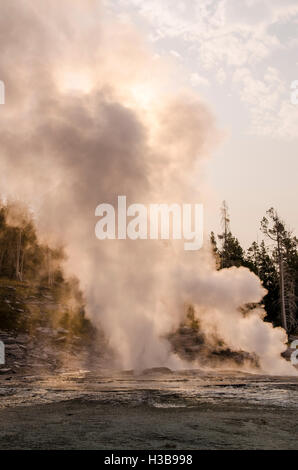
pixel 30 329
pixel 81 425
pixel 47 351
pixel 159 409
pixel 191 344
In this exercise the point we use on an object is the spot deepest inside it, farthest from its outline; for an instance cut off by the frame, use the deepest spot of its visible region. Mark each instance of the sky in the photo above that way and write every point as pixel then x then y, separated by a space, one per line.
pixel 241 58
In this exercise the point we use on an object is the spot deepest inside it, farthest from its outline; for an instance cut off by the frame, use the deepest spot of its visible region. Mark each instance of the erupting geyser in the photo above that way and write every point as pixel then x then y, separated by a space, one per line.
pixel 68 145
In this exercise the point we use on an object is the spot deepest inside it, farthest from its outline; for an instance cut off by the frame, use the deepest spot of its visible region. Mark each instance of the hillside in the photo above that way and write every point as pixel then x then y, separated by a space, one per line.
pixel 43 321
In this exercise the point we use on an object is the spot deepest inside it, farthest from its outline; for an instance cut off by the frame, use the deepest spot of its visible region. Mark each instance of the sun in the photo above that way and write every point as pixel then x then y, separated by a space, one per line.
pixel 143 95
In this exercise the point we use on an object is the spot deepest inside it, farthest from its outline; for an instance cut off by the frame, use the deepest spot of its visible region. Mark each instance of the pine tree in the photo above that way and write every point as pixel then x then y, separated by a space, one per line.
pixel 259 261
pixel 285 257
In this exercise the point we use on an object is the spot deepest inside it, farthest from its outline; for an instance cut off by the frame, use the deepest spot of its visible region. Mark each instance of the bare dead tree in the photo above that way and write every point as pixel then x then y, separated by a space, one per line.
pixel 225 223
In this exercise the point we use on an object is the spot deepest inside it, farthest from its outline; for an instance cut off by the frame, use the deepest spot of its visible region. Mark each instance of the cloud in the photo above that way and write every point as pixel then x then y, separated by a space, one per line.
pixel 268 100
pixel 197 80
pixel 175 54
pixel 226 36
pixel 221 76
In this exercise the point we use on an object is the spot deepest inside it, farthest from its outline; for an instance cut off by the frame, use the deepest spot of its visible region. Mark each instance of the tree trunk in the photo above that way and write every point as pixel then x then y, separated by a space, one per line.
pixel 19 243
pixel 282 285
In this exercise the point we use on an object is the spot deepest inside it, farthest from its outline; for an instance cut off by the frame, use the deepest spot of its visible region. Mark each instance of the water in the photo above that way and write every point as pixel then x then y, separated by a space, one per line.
pixel 118 410
pixel 177 389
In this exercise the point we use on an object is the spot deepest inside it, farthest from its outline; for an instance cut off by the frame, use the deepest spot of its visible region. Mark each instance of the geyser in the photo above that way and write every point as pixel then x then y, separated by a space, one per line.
pixel 64 149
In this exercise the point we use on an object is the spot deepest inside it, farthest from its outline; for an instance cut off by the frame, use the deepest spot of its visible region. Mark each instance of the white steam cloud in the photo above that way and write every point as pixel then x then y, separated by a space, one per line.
pixel 91 114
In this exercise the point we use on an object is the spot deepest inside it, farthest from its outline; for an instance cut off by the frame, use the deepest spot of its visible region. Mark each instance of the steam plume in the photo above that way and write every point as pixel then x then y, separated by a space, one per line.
pixel 91 114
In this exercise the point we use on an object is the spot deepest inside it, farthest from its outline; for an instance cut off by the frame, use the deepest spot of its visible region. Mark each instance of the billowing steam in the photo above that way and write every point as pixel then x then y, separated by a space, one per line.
pixel 91 114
